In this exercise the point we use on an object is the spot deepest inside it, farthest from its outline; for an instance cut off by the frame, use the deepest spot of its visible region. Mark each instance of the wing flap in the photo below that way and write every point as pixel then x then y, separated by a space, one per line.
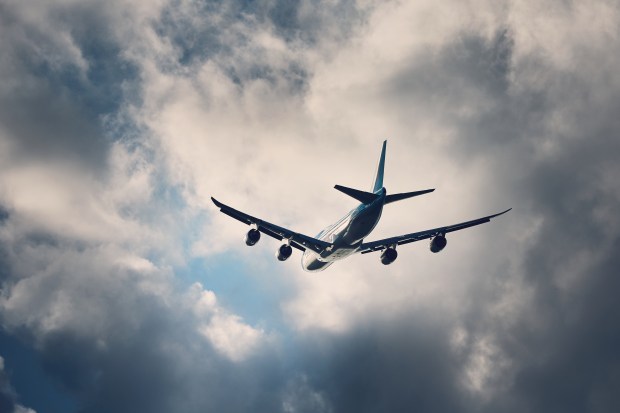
pixel 298 241
pixel 372 246
pixel 237 216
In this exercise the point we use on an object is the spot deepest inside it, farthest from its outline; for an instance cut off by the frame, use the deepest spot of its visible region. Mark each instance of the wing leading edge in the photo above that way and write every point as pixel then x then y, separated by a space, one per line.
pixel 418 236
pixel 297 240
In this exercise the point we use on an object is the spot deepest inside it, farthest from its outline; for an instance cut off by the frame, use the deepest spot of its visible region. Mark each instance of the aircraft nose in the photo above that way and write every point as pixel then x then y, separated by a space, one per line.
pixel 310 263
pixel 314 265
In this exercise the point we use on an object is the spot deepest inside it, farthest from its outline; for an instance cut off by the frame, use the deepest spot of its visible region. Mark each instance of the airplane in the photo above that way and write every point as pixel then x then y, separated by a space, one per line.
pixel 346 236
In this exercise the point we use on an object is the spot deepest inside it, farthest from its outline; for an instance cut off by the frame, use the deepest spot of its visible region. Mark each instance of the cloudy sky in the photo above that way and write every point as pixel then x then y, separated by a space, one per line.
pixel 123 289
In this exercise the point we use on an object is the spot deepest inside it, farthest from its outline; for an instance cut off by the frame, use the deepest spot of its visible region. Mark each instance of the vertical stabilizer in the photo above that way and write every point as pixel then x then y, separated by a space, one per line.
pixel 378 181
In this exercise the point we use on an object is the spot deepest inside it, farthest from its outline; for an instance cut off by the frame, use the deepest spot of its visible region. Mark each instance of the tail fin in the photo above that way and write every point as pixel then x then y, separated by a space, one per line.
pixel 362 196
pixel 378 181
pixel 405 195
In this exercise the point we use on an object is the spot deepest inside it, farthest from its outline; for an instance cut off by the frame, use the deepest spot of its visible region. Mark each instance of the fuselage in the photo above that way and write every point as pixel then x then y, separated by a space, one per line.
pixel 345 235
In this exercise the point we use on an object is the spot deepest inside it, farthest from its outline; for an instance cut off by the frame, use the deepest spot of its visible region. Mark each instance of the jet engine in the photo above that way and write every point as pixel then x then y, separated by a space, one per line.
pixel 252 237
pixel 438 243
pixel 284 252
pixel 388 256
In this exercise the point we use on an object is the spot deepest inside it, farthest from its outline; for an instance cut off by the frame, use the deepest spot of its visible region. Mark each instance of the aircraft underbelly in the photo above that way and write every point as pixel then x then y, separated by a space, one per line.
pixel 311 262
pixel 362 225
pixel 345 240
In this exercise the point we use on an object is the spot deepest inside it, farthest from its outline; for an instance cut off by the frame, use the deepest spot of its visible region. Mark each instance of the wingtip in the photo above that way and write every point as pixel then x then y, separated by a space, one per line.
pixel 216 202
pixel 498 214
pixel 503 212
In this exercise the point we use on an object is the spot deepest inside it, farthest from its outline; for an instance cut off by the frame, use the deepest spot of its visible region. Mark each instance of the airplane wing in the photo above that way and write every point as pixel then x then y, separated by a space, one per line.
pixel 299 241
pixel 418 236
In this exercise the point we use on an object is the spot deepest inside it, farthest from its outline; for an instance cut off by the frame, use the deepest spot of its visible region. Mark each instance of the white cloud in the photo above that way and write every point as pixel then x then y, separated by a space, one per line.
pixel 231 337
pixel 268 122
pixel 225 331
pixel 230 126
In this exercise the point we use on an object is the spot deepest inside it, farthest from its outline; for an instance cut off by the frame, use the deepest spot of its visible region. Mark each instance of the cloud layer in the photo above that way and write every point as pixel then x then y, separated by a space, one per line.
pixel 118 122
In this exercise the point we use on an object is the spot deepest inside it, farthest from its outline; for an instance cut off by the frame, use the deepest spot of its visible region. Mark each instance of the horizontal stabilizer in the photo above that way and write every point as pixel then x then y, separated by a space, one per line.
pixel 362 196
pixel 405 195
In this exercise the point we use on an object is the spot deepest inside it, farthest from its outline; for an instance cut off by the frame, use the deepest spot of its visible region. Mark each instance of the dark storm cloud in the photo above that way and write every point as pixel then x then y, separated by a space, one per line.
pixel 393 364
pixel 564 348
pixel 131 373
pixel 61 76
pixel 159 367
pixel 466 73
pixel 144 357
pixel 210 30
pixel 576 364
pixel 132 352
pixel 63 129
pixel 4 214
pixel 571 361
pixel 314 21
pixel 560 352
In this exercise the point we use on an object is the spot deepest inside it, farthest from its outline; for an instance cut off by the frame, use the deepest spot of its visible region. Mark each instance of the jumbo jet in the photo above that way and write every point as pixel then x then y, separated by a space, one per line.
pixel 346 236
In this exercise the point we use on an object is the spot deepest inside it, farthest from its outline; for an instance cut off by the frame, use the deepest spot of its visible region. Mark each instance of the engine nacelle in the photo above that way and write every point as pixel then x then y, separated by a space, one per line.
pixel 252 237
pixel 284 252
pixel 438 243
pixel 388 256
